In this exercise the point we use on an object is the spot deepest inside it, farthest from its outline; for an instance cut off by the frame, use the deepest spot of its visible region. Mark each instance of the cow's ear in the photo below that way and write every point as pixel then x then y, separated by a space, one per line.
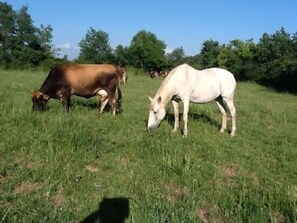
pixel 35 94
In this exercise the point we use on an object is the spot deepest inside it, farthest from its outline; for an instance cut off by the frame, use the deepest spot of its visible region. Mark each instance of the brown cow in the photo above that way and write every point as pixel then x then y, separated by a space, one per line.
pixel 163 73
pixel 84 80
pixel 153 74
pixel 122 75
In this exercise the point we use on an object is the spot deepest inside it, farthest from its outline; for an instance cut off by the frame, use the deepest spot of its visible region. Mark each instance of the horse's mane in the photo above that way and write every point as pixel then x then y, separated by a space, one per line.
pixel 166 80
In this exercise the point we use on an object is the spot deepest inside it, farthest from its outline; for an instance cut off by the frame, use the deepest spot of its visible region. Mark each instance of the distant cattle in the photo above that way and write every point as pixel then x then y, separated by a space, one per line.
pixel 122 75
pixel 84 80
pixel 155 73
pixel 163 73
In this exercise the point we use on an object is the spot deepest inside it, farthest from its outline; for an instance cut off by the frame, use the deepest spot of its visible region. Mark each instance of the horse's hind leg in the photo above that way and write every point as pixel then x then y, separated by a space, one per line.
pixel 223 109
pixel 176 115
pixel 232 110
pixel 185 117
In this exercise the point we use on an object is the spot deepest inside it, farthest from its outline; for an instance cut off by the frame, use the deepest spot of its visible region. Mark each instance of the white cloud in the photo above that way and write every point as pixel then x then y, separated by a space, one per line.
pixel 65 46
pixel 67 49
pixel 167 51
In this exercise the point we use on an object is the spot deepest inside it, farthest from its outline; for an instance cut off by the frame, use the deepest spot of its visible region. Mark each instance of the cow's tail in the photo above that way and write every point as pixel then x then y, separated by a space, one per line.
pixel 119 100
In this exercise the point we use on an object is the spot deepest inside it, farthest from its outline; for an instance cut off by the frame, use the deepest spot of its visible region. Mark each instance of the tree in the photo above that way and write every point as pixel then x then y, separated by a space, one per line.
pixel 95 48
pixel 147 52
pixel 176 57
pixel 237 56
pixel 209 53
pixel 121 55
pixel 7 33
pixel 22 45
pixel 276 56
pixel 26 40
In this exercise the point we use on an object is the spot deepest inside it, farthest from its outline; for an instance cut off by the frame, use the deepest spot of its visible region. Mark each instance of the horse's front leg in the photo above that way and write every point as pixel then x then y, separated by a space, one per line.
pixel 176 115
pixel 185 117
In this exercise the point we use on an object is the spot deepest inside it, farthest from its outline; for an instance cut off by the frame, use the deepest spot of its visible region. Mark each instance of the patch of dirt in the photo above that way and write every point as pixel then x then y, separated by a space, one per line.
pixel 124 160
pixel 173 191
pixel 4 177
pixel 26 187
pixel 207 214
pixel 58 199
pixel 229 171
pixel 202 215
pixel 91 168
pixel 277 217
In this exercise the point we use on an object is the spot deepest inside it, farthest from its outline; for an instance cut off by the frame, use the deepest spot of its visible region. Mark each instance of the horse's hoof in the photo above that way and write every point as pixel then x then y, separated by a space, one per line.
pixel 222 130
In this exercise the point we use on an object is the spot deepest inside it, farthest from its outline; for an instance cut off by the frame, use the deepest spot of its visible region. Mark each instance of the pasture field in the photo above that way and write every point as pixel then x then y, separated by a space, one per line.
pixel 81 167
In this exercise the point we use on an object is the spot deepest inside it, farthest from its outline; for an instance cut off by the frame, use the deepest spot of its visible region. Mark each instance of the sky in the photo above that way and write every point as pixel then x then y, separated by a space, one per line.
pixel 179 23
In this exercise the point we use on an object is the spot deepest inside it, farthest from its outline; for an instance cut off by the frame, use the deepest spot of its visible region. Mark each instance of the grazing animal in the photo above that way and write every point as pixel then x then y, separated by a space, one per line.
pixel 122 75
pixel 153 74
pixel 84 80
pixel 163 73
pixel 186 84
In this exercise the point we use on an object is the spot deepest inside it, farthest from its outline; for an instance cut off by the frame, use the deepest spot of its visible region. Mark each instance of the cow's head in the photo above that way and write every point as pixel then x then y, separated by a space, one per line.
pixel 156 113
pixel 39 100
pixel 122 74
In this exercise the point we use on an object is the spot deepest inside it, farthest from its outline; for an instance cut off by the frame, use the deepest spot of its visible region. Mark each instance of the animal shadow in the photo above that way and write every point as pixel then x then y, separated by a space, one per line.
pixel 90 104
pixel 111 210
pixel 196 117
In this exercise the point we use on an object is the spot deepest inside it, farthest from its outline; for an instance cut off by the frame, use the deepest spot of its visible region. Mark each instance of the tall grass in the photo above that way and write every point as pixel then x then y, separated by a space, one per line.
pixel 78 166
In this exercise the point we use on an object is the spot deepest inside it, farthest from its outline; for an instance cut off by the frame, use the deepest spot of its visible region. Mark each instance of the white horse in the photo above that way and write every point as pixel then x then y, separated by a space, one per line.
pixel 186 84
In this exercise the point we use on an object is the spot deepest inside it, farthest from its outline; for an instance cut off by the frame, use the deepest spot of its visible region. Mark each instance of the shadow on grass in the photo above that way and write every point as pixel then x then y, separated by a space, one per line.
pixel 193 116
pixel 111 210
pixel 91 105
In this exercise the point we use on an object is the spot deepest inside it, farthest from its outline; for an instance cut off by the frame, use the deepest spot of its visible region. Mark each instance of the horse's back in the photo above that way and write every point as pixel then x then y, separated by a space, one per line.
pixel 225 78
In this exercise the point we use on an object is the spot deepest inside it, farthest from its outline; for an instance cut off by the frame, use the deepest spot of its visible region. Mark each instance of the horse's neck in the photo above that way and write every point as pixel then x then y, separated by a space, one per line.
pixel 166 92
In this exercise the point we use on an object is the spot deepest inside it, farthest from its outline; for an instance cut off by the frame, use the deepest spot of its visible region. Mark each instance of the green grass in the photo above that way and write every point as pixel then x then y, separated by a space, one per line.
pixel 70 167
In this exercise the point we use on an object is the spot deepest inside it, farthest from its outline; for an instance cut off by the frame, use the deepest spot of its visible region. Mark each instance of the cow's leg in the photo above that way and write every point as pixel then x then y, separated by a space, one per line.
pixel 112 103
pixel 103 103
pixel 223 109
pixel 66 98
pixel 103 99
pixel 185 116
pixel 232 110
pixel 176 115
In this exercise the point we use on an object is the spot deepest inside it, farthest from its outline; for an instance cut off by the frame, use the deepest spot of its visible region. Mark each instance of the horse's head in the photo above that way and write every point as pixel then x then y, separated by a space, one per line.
pixel 156 113
pixel 39 101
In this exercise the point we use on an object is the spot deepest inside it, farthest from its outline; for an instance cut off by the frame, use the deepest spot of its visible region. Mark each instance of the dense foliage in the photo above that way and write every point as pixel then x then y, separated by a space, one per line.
pixel 22 45
pixel 95 47
pixel 272 61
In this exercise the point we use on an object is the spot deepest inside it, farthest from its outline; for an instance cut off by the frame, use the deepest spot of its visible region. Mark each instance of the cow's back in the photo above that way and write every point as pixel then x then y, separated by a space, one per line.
pixel 86 79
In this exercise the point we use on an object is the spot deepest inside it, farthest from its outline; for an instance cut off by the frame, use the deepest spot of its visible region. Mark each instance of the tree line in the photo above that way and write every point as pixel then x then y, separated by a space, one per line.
pixel 272 61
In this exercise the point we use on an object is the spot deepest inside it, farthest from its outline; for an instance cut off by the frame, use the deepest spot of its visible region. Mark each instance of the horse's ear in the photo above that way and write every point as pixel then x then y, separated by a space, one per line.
pixel 159 99
pixel 151 100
